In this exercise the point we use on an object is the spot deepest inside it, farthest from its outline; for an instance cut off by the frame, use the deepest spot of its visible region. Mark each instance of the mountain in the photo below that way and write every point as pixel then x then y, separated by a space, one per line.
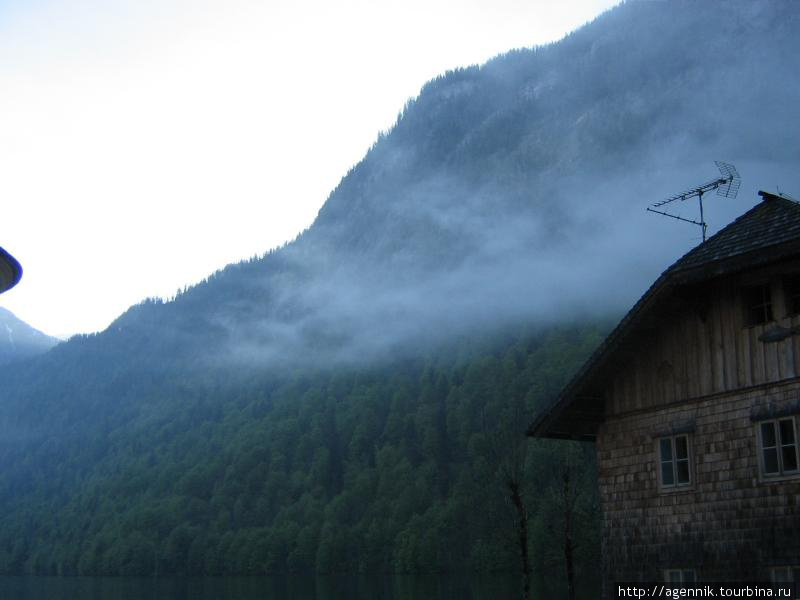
pixel 20 340
pixel 505 191
pixel 355 400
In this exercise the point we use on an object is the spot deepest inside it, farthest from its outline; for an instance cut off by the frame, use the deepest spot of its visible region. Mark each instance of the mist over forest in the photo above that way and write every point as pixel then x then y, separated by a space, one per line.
pixel 505 192
pixel 345 402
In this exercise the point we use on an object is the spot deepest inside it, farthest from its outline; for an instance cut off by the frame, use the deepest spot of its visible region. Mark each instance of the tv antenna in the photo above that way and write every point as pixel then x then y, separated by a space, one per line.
pixel 727 185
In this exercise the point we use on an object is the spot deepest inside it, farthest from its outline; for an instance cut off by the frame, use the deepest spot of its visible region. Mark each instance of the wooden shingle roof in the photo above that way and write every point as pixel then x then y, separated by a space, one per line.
pixel 774 222
pixel 768 232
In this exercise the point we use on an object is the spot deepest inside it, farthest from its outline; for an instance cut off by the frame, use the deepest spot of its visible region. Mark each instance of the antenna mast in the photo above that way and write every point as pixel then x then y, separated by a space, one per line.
pixel 727 185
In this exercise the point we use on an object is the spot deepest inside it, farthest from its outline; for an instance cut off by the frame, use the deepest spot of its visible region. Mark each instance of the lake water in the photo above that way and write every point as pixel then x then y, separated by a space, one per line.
pixel 258 588
pixel 265 588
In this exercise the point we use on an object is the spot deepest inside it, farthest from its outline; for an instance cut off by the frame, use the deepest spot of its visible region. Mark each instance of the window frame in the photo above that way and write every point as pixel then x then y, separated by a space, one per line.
pixel 782 473
pixel 676 485
pixel 766 305
pixel 793 574
pixel 681 574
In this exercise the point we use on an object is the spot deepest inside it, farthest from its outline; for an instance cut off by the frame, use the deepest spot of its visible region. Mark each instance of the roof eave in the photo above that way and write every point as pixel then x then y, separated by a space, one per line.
pixel 592 370
pixel 10 271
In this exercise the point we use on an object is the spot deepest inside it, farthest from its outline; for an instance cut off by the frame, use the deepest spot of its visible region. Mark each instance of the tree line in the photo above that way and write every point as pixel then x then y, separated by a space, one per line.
pixel 400 468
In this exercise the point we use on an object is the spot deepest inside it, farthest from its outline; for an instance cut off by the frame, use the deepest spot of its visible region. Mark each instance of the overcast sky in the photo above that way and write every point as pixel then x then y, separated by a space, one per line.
pixel 145 144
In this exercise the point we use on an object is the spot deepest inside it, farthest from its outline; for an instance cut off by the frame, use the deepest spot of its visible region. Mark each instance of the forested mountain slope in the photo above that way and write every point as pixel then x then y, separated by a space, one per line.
pixel 20 340
pixel 333 405
pixel 387 469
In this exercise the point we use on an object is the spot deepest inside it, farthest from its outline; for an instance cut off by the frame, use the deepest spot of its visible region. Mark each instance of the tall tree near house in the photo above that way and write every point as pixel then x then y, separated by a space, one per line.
pixel 514 490
pixel 568 499
pixel 568 506
pixel 509 452
pixel 521 465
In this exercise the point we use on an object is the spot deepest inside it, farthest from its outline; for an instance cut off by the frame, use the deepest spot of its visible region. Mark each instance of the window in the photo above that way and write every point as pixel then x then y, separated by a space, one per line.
pixel 791 292
pixel 674 460
pixel 777 443
pixel 787 575
pixel 680 576
pixel 757 304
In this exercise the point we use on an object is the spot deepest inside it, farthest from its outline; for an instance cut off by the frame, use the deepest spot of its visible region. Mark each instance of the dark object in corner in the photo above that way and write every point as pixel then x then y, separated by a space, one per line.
pixel 778 334
pixel 10 271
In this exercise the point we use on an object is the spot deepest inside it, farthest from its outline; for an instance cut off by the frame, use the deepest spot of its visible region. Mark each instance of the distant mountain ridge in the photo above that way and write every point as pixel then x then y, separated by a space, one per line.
pixel 20 340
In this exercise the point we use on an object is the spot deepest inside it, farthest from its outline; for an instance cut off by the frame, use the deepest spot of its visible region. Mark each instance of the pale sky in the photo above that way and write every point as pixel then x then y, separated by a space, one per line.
pixel 145 144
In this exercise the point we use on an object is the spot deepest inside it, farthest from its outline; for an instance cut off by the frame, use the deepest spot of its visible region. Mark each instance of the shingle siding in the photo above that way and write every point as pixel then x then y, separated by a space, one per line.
pixel 730 525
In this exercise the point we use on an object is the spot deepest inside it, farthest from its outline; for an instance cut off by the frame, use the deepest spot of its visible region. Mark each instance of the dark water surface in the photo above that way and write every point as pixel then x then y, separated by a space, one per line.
pixel 296 587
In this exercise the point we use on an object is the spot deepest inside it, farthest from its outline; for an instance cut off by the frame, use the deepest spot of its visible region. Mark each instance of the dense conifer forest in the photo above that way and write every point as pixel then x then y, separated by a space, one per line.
pixel 356 400
pixel 391 469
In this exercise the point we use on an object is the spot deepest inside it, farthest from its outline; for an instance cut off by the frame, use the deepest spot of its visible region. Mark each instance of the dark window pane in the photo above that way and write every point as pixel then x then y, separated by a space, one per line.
pixel 791 287
pixel 674 576
pixel 683 471
pixel 789 458
pixel 787 431
pixel 666 474
pixel 780 575
pixel 688 576
pixel 754 315
pixel 768 435
pixel 666 450
pixel 771 460
pixel 681 447
pixel 757 303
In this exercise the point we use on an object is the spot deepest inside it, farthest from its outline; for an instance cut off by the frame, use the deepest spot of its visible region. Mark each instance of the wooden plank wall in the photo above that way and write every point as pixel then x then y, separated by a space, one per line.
pixel 702 348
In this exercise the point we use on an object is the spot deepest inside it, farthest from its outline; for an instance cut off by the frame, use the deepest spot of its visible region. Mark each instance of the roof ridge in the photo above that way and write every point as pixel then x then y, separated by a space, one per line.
pixel 769 196
pixel 760 233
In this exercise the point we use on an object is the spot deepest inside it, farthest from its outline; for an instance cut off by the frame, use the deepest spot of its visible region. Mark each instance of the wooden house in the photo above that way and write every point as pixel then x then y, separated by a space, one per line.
pixel 10 271
pixel 694 404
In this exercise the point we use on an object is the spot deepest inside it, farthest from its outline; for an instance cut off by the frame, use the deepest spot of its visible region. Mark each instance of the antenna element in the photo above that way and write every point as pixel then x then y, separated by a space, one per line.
pixel 727 185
